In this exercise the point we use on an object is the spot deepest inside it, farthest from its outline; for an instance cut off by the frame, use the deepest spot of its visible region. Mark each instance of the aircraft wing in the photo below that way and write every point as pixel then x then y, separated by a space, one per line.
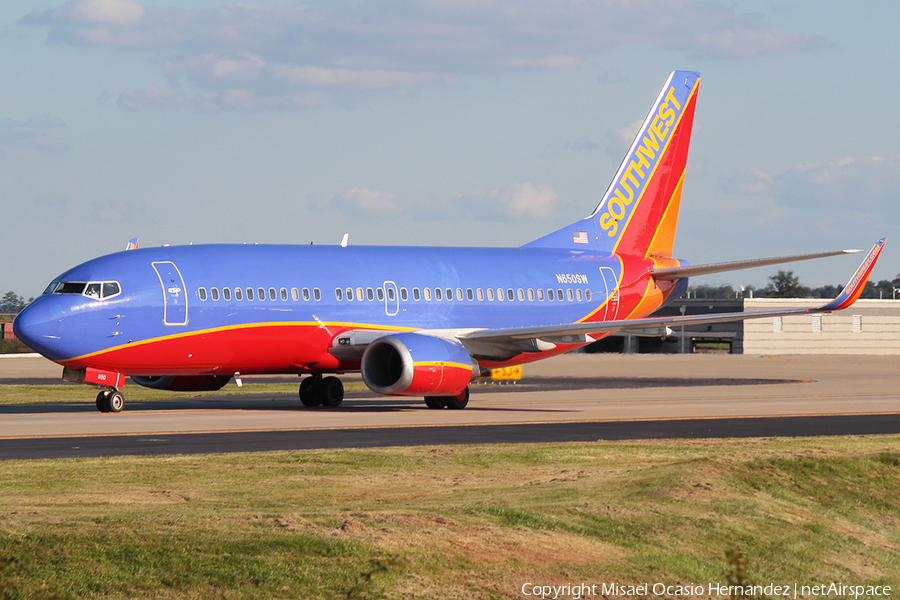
pixel 572 333
pixel 695 270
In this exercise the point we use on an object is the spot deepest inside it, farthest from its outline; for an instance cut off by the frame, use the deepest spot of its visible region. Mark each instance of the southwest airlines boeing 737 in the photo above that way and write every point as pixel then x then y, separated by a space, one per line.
pixel 415 321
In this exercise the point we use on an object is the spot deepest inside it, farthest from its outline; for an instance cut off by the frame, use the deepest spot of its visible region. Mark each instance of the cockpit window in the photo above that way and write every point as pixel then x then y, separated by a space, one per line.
pixel 70 287
pixel 94 289
pixel 110 289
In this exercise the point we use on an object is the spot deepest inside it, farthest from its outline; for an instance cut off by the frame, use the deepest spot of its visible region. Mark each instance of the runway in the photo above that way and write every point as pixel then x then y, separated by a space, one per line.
pixel 577 397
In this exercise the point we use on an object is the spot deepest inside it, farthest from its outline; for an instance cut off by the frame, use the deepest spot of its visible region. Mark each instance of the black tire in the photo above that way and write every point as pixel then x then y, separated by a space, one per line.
pixel 331 391
pixel 309 392
pixel 459 401
pixel 103 401
pixel 435 402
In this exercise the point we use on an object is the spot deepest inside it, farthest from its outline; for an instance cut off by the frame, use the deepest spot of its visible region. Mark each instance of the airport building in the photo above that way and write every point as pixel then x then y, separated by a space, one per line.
pixel 867 327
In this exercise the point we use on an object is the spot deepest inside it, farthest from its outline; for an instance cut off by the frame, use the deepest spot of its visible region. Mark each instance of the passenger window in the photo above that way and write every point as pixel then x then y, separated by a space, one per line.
pixel 272 294
pixel 500 294
pixel 306 294
pixel 284 294
pixel 559 295
pixel 449 295
pixel 587 295
pixel 427 292
pixel 437 293
pixel 214 292
pixel 404 295
pixel 391 294
pixel 470 295
pixel 249 293
pixel 459 295
pixel 338 294
pixel 416 294
pixel 569 295
pixel 261 293
pixel 579 295
pixel 349 294
pixel 226 293
pixel 202 293
pixel 380 293
pixel 92 290
pixel 490 293
pixel 530 295
pixel 238 294
pixel 359 294
pixel 370 294
pixel 317 294
pixel 110 289
pixel 295 294
pixel 520 293
pixel 540 294
pixel 479 293
pixel 550 294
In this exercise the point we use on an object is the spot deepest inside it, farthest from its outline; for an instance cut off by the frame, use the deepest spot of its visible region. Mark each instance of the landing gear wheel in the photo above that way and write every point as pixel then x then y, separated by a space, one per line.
pixel 459 401
pixel 116 401
pixel 331 391
pixel 110 401
pixel 309 391
pixel 435 402
pixel 103 401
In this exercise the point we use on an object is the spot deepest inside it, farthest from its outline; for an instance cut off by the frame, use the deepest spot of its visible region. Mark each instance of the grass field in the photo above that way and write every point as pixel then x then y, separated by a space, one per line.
pixel 452 522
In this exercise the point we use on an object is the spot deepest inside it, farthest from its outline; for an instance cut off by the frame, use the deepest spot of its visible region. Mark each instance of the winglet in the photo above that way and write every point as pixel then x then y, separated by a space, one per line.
pixel 857 283
pixel 132 244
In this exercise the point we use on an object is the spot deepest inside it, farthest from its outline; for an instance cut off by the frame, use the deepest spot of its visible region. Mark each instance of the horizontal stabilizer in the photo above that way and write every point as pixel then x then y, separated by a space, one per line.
pixel 695 270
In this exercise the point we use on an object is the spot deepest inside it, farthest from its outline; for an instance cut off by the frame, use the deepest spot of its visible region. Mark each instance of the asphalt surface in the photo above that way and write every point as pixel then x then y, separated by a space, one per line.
pixel 574 398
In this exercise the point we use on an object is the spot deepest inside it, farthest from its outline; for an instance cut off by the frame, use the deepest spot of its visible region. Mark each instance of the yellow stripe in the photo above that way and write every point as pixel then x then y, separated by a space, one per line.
pixel 185 334
pixel 441 363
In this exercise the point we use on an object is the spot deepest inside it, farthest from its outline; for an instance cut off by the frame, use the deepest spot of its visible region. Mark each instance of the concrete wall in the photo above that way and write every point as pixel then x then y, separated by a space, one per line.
pixel 878 320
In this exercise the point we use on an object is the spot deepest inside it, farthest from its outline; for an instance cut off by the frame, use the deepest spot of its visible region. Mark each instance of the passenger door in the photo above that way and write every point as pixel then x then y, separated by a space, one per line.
pixel 175 310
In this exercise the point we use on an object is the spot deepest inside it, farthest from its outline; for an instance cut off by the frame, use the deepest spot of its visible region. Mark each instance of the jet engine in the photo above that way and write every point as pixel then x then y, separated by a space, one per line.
pixel 184 383
pixel 412 364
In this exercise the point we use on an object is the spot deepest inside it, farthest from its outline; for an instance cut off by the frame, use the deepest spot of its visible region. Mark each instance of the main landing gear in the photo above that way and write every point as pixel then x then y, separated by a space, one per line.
pixel 457 402
pixel 110 400
pixel 318 391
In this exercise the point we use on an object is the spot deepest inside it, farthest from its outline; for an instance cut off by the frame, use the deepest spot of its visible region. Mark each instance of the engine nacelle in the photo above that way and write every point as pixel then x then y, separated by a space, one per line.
pixel 412 364
pixel 184 383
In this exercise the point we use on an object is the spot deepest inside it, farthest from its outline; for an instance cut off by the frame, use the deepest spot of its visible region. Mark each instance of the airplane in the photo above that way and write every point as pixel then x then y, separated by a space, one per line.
pixel 415 321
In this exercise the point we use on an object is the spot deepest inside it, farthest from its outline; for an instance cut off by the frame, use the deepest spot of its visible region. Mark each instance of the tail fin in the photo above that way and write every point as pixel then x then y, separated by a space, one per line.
pixel 639 212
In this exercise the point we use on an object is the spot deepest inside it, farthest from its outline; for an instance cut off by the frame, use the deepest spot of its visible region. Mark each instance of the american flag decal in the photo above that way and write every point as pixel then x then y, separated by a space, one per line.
pixel 580 237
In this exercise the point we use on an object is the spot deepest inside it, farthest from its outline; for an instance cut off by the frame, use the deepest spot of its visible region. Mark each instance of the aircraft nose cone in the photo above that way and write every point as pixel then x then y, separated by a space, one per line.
pixel 39 326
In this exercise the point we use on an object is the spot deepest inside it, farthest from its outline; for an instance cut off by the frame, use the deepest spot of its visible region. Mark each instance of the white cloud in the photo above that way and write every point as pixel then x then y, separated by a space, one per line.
pixel 619 141
pixel 367 201
pixel 31 133
pixel 527 201
pixel 151 97
pixel 582 143
pixel 365 46
pixel 523 201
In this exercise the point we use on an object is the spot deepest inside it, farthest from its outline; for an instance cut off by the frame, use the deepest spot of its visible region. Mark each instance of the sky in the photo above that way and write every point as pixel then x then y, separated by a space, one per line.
pixel 435 122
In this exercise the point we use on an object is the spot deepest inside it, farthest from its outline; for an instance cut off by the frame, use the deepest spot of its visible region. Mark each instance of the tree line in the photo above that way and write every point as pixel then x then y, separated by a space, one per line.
pixel 785 284
pixel 11 304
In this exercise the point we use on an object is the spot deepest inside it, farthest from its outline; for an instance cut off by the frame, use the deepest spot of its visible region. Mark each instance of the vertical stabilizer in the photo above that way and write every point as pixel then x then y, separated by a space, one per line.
pixel 639 212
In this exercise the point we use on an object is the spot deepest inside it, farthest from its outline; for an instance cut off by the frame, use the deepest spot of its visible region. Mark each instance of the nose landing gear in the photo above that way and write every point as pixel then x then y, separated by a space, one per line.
pixel 110 400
